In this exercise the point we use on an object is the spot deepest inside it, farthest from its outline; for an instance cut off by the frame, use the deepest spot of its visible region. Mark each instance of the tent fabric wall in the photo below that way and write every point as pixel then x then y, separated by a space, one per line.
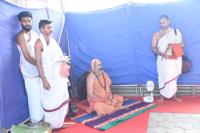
pixel 13 99
pixel 121 38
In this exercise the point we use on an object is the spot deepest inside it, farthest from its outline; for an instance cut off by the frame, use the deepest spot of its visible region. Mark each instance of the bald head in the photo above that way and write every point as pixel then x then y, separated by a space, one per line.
pixel 164 22
pixel 164 17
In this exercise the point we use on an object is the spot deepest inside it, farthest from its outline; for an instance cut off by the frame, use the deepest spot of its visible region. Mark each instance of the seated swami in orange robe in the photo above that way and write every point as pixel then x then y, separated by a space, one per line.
pixel 99 93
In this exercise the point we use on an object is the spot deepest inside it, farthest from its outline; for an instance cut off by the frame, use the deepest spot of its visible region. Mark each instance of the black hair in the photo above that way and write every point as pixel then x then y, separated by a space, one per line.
pixel 42 23
pixel 164 16
pixel 24 14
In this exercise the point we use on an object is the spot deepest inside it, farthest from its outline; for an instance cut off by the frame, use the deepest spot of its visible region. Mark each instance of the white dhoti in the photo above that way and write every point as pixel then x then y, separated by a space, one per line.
pixel 168 73
pixel 168 70
pixel 33 90
pixel 31 79
pixel 55 104
pixel 55 101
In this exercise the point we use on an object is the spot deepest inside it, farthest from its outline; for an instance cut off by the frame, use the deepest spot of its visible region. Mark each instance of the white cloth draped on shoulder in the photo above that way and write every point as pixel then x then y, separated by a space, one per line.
pixel 55 100
pixel 28 70
pixel 168 70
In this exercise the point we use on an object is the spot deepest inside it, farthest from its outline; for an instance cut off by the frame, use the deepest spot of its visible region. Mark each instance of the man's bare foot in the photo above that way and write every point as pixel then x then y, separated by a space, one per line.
pixel 177 99
pixel 161 99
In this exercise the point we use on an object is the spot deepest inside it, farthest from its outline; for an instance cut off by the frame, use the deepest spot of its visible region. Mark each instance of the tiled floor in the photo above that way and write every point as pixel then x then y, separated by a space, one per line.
pixel 173 123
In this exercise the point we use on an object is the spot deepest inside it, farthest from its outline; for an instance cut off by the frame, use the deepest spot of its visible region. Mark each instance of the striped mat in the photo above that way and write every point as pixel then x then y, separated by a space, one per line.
pixel 131 109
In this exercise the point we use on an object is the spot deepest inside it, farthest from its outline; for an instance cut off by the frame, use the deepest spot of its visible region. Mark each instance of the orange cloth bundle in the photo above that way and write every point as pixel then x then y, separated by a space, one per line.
pixel 177 50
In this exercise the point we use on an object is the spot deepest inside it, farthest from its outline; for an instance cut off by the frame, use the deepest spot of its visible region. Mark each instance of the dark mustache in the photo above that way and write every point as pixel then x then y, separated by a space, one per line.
pixel 27 25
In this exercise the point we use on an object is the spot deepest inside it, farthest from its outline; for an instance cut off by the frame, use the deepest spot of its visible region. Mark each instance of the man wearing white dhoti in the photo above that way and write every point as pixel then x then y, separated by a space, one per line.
pixel 50 61
pixel 26 39
pixel 168 69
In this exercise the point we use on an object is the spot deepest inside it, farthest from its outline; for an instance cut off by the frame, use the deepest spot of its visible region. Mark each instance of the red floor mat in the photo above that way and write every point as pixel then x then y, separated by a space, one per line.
pixel 138 124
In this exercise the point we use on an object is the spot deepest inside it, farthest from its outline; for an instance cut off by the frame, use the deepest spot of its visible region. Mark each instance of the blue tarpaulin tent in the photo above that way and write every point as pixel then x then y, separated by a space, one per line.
pixel 120 37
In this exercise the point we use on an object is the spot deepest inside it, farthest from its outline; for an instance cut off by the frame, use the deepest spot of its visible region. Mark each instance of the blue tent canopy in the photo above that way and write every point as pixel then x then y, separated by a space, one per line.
pixel 120 37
